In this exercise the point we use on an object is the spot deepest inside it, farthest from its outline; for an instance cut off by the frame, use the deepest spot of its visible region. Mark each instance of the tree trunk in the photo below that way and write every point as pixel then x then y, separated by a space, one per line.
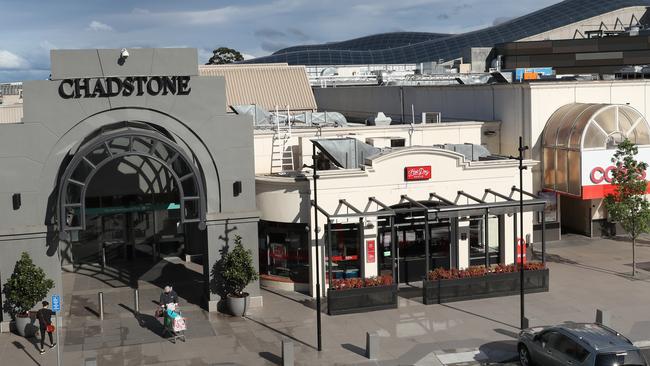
pixel 633 257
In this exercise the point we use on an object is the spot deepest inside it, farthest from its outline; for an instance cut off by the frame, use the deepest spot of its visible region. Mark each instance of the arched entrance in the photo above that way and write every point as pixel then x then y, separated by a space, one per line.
pixel 579 141
pixel 127 191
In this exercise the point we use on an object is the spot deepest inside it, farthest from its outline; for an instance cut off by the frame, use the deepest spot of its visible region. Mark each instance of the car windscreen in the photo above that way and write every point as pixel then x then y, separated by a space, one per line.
pixel 627 358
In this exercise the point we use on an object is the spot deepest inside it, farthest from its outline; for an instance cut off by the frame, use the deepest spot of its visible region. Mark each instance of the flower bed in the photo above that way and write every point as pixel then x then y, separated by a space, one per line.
pixel 360 295
pixel 349 283
pixel 478 282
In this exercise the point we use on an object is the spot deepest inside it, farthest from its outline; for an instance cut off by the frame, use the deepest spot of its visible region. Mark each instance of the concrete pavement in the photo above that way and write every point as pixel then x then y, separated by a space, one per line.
pixel 586 274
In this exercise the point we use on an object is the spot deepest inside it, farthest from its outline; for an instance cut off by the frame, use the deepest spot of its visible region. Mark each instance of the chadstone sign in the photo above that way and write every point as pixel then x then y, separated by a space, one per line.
pixel 131 85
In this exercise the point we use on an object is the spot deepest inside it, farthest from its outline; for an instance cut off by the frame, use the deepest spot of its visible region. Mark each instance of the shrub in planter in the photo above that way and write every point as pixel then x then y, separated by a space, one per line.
pixel 357 295
pixel 238 272
pixel 350 283
pixel 480 271
pixel 24 289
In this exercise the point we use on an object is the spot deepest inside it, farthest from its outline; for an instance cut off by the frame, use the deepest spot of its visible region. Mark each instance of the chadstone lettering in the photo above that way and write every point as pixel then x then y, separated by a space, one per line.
pixel 126 87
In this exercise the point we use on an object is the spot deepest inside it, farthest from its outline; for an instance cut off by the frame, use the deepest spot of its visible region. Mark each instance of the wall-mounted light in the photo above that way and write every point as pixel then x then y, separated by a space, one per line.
pixel 16 201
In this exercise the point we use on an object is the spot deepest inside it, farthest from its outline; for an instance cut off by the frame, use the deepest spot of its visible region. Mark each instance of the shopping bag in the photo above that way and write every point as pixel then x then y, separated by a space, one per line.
pixel 159 313
pixel 50 328
pixel 178 324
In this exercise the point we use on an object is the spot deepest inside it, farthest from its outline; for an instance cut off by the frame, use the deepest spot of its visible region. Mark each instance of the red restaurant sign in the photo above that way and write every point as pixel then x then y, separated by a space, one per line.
pixel 371 251
pixel 414 173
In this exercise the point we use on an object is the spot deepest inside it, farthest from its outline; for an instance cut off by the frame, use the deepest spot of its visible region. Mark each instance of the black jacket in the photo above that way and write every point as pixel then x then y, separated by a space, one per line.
pixel 168 298
pixel 44 317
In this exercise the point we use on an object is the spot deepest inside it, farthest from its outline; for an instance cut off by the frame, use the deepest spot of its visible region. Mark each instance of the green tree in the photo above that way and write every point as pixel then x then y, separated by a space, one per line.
pixel 26 286
pixel 628 205
pixel 224 55
pixel 238 268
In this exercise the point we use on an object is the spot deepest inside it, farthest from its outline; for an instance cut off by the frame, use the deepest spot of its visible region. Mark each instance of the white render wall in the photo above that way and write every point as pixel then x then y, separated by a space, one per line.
pixel 522 109
pixel 285 199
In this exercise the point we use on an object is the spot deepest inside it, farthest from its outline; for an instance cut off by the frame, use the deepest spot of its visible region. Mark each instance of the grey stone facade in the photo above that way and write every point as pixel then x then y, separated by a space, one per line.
pixel 34 154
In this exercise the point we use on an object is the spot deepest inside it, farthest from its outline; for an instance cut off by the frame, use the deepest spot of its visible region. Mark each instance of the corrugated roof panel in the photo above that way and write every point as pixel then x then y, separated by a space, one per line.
pixel 268 85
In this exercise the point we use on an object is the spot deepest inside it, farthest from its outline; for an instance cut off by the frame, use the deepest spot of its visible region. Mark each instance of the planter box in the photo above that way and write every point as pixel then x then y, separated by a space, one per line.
pixel 494 285
pixel 361 300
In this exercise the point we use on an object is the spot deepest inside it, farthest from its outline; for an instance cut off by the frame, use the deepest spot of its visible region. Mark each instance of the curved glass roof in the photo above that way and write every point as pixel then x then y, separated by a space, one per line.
pixel 582 126
pixel 372 42
pixel 579 127
pixel 445 48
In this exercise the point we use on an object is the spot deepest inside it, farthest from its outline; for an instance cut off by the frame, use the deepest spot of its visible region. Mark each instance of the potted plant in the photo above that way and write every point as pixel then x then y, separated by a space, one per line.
pixel 238 272
pixel 26 287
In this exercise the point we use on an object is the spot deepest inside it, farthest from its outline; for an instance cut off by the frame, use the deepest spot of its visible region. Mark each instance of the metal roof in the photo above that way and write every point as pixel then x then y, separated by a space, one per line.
pixel 451 47
pixel 266 85
pixel 11 113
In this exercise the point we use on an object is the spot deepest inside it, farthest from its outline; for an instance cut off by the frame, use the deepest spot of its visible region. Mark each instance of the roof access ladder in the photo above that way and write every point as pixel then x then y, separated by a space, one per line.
pixel 281 151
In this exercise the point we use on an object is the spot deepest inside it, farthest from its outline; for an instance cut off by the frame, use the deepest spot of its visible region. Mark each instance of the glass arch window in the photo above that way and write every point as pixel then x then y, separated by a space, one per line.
pixel 579 127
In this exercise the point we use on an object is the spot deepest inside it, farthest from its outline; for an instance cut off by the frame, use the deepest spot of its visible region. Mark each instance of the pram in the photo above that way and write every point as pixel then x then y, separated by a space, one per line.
pixel 174 324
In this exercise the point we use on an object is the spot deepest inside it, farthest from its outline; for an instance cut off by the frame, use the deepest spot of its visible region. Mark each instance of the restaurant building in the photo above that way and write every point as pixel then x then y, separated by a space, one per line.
pixel 397 200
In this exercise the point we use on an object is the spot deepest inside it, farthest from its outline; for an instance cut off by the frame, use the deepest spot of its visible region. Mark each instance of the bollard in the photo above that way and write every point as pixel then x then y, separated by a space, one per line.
pixel 287 353
pixel 101 305
pixel 136 300
pixel 526 323
pixel 372 345
pixel 603 317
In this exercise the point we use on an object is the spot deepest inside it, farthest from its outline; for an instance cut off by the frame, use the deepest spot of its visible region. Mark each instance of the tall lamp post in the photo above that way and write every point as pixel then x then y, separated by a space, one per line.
pixel 520 257
pixel 318 309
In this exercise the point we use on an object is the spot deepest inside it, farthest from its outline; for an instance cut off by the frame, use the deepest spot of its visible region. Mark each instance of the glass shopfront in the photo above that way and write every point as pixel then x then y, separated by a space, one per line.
pixel 482 232
pixel 345 249
pixel 410 245
pixel 284 251
pixel 127 227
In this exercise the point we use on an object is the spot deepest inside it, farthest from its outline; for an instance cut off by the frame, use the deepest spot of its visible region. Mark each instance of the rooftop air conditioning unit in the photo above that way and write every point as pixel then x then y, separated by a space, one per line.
pixel 431 117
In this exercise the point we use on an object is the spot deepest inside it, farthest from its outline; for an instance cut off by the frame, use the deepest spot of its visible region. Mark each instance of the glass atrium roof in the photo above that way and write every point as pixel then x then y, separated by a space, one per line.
pixel 395 48
pixel 577 128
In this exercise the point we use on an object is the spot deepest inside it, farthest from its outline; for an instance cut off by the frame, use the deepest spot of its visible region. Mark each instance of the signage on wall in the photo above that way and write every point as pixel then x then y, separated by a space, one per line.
pixel 370 258
pixel 597 172
pixel 125 87
pixel 415 173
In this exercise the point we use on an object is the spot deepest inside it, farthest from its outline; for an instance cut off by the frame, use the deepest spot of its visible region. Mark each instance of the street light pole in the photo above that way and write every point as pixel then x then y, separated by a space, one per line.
pixel 318 310
pixel 520 241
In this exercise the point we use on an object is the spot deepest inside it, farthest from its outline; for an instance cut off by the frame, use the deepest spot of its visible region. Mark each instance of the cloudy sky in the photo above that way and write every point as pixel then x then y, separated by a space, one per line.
pixel 30 28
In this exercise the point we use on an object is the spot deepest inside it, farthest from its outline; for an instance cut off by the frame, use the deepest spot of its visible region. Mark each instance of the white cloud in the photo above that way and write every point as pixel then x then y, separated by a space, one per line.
pixel 247 56
pixel 99 26
pixel 226 14
pixel 11 61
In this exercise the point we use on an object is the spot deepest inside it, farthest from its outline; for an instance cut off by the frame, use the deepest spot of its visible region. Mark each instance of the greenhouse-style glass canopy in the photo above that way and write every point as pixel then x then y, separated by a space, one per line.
pixel 578 130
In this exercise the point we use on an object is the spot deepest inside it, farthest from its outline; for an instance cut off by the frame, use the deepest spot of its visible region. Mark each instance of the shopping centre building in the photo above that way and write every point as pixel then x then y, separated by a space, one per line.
pixel 151 156
pixel 113 150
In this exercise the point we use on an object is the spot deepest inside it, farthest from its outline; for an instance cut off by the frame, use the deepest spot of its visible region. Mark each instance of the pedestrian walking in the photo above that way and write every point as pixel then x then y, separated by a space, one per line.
pixel 44 316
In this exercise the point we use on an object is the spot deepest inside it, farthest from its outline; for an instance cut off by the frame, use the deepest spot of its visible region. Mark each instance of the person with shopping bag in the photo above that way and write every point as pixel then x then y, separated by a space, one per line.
pixel 44 316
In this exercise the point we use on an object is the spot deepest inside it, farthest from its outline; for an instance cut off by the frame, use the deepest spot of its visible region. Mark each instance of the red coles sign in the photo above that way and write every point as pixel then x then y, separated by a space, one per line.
pixel 413 173
pixel 599 174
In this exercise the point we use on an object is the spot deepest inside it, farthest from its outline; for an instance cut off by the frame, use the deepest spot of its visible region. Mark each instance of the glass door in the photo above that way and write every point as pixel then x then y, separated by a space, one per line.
pixel 440 244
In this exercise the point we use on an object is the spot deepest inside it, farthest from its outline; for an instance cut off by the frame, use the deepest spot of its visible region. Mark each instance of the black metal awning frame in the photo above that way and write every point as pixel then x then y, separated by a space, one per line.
pixel 445 209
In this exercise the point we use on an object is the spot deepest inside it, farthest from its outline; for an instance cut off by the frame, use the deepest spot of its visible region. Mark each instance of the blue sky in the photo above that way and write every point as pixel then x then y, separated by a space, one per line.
pixel 31 28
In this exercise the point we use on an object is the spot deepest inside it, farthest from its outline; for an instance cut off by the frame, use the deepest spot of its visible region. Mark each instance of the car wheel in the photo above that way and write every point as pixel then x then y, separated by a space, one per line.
pixel 524 356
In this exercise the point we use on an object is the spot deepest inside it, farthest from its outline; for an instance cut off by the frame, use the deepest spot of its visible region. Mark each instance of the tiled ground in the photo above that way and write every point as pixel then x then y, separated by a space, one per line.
pixel 585 275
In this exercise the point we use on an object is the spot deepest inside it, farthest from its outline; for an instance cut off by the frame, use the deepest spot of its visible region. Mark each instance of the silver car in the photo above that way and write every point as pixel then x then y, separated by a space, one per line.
pixel 577 344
